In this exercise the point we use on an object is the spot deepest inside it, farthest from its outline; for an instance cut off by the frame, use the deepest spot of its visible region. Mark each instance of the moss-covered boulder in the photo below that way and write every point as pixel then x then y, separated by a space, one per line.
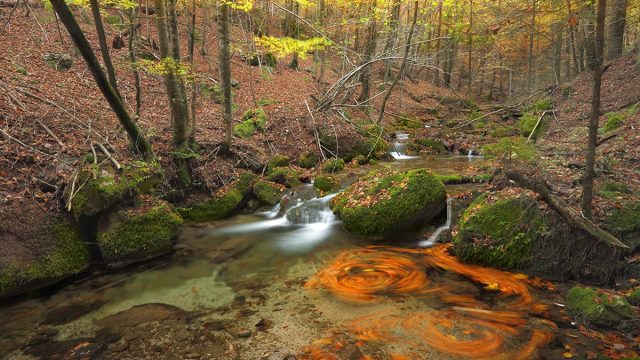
pixel 333 165
pixel 427 145
pixel 277 161
pixel 285 176
pixel 252 121
pixel 223 203
pixel 142 232
pixel 589 306
pixel 325 185
pixel 500 229
pixel 268 192
pixel 383 202
pixel 366 139
pixel 308 160
pixel 95 190
pixel 46 247
pixel 634 297
pixel 625 222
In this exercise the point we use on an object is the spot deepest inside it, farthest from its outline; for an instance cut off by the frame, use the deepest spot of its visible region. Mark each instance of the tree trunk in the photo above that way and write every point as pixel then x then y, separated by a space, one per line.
pixel 572 40
pixel 224 60
pixel 138 141
pixel 532 29
pixel 587 186
pixel 589 36
pixel 104 48
pixel 557 51
pixel 470 44
pixel 407 47
pixel 391 39
pixel 615 29
pixel 370 49
pixel 132 57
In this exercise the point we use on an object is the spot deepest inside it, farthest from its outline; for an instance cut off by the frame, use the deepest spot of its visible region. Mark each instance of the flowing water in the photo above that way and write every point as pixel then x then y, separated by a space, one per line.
pixel 288 283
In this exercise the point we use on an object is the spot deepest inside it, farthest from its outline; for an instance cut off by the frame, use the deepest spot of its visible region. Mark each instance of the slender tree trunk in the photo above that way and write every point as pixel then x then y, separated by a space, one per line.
pixel 407 47
pixel 615 28
pixel 587 187
pixel 531 34
pixel 439 35
pixel 470 45
pixel 194 90
pixel 132 57
pixel 224 60
pixel 372 42
pixel 391 39
pixel 104 48
pixel 572 39
pixel 138 141
pixel 557 51
pixel 589 29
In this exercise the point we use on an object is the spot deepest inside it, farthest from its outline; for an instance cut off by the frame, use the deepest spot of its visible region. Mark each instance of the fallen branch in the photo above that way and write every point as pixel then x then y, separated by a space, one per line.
pixel 567 212
pixel 610 135
pixel 23 144
pixel 108 155
pixel 315 130
pixel 46 128
pixel 544 113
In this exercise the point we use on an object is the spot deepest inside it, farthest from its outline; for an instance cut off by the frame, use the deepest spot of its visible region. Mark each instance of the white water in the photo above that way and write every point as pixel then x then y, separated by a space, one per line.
pixel 302 227
pixel 436 234
pixel 398 148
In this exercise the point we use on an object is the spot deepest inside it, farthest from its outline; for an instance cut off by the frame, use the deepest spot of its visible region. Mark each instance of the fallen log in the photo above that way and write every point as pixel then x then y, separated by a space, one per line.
pixel 570 214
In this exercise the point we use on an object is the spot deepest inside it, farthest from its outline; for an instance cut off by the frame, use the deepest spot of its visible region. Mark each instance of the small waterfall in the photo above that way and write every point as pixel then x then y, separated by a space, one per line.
pixel 302 221
pixel 436 234
pixel 399 146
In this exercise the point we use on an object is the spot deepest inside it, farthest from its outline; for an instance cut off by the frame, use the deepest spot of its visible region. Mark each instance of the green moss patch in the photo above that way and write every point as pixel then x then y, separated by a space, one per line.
pixel 500 230
pixel 90 196
pixel 285 176
pixel 252 121
pixel 220 206
pixel 325 185
pixel 268 192
pixel 333 165
pixel 137 234
pixel 426 145
pixel 464 179
pixel 276 162
pixel 383 202
pixel 588 306
pixel 308 160
pixel 68 256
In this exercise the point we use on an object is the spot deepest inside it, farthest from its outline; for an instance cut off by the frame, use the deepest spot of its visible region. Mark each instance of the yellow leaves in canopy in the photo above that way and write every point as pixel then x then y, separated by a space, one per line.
pixel 244 5
pixel 284 46
pixel 165 67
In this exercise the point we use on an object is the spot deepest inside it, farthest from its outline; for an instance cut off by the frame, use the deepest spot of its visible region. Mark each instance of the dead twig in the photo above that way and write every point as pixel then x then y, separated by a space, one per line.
pixel 315 131
pixel 108 155
pixel 25 145
pixel 46 128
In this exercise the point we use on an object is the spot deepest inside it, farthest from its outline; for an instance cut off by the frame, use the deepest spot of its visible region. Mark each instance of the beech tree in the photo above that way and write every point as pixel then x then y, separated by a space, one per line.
pixel 139 143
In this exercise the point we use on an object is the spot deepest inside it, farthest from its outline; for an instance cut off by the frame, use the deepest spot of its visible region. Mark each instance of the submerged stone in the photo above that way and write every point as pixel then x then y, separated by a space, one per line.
pixel 147 230
pixel 588 306
pixel 383 202
pixel 44 249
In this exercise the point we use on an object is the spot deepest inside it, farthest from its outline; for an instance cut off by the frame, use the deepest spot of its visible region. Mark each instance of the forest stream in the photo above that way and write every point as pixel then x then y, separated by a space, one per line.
pixel 289 283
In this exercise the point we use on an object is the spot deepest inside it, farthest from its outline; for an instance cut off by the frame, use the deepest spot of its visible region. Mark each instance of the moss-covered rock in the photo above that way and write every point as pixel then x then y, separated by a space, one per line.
pixel 285 176
pixel 588 306
pixel 223 203
pixel 383 202
pixel 46 248
pixel 333 165
pixel 500 229
pixel 367 140
pixel 325 185
pixel 130 235
pixel 625 222
pixel 268 192
pixel 277 161
pixel 430 145
pixel 89 196
pixel 634 297
pixel 464 179
pixel 252 121
pixel 308 160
